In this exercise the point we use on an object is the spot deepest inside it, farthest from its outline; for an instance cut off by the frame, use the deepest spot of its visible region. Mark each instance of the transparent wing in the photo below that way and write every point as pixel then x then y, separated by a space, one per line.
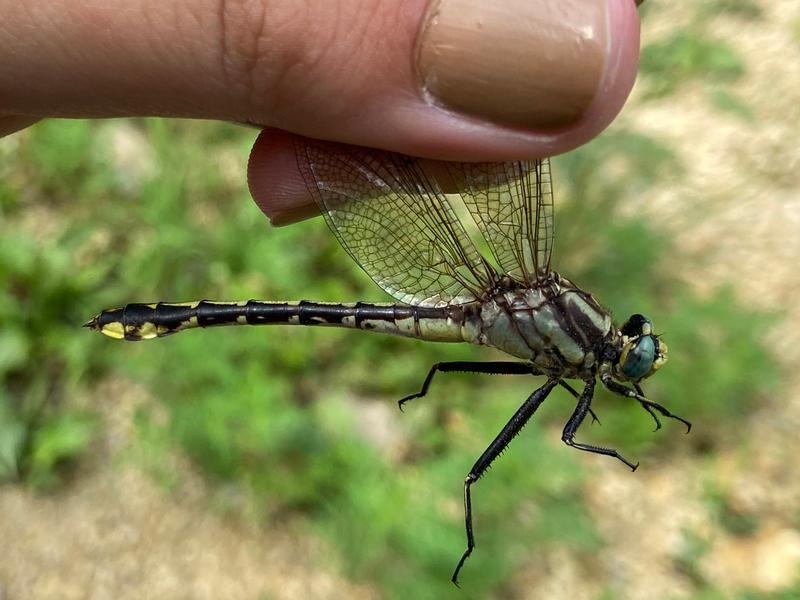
pixel 394 221
pixel 512 205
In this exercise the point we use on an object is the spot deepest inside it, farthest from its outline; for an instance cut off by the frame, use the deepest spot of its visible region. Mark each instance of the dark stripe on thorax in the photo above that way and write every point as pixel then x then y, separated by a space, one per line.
pixel 561 311
pixel 582 322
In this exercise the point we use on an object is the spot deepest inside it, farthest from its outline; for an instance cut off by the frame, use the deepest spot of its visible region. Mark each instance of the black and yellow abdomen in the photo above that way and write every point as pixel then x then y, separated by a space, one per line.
pixel 146 321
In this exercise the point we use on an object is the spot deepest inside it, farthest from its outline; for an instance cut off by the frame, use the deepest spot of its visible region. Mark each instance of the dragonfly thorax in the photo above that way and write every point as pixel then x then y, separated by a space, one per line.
pixel 554 324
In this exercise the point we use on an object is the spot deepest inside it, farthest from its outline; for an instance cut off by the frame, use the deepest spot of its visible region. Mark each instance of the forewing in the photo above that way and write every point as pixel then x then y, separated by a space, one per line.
pixel 512 205
pixel 395 223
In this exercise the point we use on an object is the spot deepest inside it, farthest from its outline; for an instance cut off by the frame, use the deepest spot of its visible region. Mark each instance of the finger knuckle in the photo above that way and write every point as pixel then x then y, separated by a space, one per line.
pixel 271 52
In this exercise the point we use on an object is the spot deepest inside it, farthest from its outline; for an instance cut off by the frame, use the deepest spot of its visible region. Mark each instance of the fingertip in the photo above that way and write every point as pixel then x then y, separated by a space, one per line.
pixel 275 181
pixel 621 67
pixel 446 134
pixel 616 85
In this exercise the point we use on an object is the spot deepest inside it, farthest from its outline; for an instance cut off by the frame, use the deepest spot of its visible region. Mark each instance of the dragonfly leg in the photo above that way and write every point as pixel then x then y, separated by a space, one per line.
pixel 652 414
pixel 648 405
pixel 584 404
pixel 491 368
pixel 509 431
pixel 572 391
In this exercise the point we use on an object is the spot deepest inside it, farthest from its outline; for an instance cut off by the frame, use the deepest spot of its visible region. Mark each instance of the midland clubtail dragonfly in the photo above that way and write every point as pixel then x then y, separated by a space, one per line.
pixel 390 212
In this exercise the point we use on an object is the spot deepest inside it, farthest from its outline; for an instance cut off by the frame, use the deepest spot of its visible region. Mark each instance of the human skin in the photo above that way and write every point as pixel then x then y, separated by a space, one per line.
pixel 381 73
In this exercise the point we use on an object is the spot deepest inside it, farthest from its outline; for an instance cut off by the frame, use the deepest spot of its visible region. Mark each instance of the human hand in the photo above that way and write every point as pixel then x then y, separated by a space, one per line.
pixel 448 79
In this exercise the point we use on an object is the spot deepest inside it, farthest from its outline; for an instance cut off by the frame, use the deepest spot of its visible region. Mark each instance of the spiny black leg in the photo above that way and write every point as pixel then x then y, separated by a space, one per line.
pixel 511 429
pixel 468 521
pixel 650 405
pixel 575 421
pixel 491 368
pixel 572 391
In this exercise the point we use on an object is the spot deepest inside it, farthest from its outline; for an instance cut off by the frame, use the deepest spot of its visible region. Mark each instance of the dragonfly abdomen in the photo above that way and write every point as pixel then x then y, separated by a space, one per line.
pixel 146 321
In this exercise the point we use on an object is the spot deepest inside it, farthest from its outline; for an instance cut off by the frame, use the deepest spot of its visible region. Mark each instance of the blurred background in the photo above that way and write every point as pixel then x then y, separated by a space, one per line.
pixel 274 464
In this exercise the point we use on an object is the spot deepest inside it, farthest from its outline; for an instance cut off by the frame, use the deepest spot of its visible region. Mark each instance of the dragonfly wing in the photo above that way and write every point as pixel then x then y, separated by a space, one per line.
pixel 512 205
pixel 395 222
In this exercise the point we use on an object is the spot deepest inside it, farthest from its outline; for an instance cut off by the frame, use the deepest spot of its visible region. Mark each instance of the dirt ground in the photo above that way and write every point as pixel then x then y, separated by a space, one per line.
pixel 120 535
pixel 117 533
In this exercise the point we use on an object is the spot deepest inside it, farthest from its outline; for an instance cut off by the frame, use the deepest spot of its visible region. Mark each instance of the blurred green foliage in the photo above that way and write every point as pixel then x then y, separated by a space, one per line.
pixel 100 214
pixel 684 56
pixel 687 562
pixel 747 9
pixel 692 54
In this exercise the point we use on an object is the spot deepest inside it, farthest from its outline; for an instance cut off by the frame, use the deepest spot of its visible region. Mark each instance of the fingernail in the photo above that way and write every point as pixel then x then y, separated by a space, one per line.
pixel 531 64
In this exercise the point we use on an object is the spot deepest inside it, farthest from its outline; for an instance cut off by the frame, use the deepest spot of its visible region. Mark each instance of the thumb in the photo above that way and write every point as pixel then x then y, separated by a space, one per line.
pixel 448 79
pixel 452 79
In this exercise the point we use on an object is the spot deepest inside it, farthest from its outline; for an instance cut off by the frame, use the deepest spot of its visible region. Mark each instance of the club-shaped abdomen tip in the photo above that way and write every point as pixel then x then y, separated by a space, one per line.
pixel 106 324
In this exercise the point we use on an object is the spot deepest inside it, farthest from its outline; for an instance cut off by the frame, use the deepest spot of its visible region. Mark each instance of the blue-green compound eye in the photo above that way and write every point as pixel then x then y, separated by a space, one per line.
pixel 640 358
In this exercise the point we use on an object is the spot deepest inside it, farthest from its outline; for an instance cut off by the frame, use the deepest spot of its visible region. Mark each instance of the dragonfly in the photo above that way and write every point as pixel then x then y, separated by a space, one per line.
pixel 396 217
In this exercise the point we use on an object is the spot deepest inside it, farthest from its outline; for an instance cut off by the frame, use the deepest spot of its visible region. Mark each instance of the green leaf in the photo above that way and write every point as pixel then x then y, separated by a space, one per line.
pixel 61 437
pixel 727 102
pixel 12 440
pixel 685 56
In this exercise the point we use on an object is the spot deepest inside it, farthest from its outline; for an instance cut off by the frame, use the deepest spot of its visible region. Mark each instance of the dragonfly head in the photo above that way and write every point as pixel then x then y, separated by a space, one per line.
pixel 642 353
